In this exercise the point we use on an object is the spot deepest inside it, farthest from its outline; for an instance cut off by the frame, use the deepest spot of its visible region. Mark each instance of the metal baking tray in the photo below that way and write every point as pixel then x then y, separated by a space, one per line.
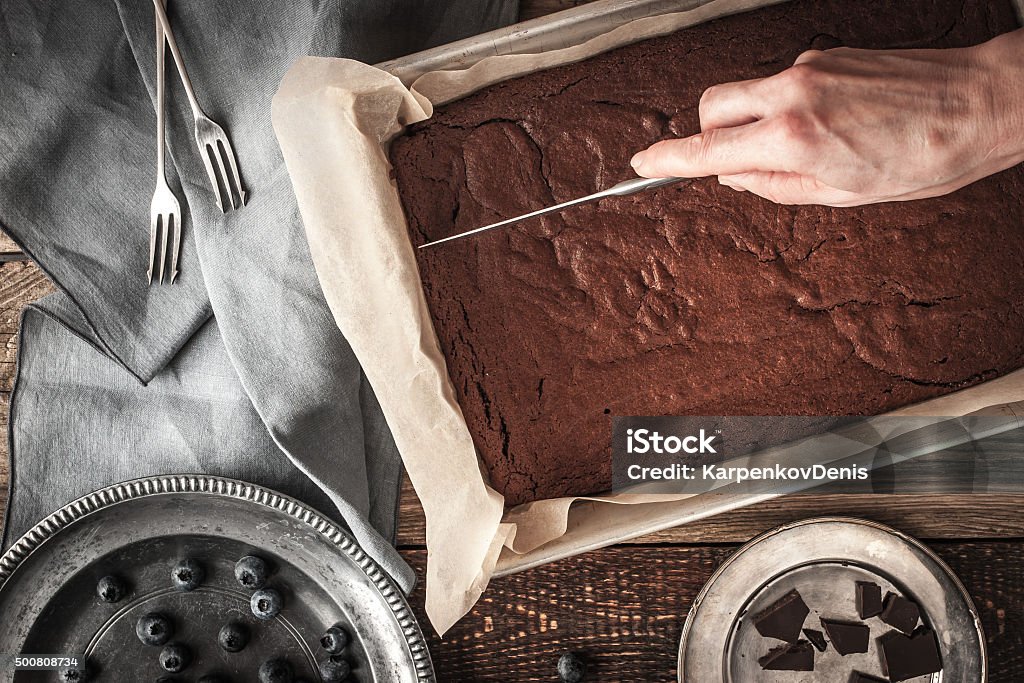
pixel 822 559
pixel 559 30
pixel 138 530
pixel 552 32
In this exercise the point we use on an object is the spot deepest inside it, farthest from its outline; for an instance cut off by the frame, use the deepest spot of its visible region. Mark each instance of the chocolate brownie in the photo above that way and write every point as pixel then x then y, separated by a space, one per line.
pixel 693 299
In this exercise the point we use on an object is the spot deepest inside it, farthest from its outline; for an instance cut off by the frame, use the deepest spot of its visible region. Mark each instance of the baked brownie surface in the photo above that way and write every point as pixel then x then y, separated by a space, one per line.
pixel 693 299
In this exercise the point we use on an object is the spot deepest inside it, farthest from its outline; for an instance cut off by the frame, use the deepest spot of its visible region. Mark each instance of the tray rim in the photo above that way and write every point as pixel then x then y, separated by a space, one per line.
pixel 536 35
pixel 545 32
pixel 910 540
pixel 144 487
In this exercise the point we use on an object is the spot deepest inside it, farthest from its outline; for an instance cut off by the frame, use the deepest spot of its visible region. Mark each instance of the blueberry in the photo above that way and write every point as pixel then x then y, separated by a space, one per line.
pixel 111 589
pixel 75 675
pixel 266 603
pixel 188 575
pixel 154 629
pixel 334 669
pixel 251 572
pixel 570 668
pixel 174 658
pixel 276 671
pixel 335 640
pixel 233 637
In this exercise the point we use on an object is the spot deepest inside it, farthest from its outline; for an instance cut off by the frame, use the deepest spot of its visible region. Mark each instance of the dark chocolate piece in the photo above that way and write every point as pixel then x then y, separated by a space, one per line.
pixel 784 618
pixel 858 677
pixel 797 656
pixel 869 599
pixel 905 657
pixel 847 637
pixel 817 639
pixel 900 613
pixel 678 301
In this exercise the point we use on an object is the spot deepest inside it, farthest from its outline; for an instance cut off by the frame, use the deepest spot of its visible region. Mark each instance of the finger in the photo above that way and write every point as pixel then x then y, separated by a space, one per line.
pixel 731 104
pixel 721 151
pixel 725 180
pixel 795 188
pixel 808 56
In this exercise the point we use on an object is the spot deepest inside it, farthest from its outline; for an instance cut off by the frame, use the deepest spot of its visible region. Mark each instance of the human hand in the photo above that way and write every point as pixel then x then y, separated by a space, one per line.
pixel 847 127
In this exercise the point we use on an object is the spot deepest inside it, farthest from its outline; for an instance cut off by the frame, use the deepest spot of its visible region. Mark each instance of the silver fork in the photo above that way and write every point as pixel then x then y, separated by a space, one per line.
pixel 213 142
pixel 164 210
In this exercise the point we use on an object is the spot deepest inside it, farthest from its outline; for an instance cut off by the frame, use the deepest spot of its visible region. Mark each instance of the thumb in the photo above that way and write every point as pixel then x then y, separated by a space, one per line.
pixel 719 151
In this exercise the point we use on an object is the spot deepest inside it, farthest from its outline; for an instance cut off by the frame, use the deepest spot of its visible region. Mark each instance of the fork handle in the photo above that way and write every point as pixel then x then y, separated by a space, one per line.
pixel 165 24
pixel 160 96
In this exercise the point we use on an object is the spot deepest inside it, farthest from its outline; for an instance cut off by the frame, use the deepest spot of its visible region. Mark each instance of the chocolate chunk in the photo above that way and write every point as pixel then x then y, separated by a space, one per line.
pixel 858 677
pixel 905 657
pixel 869 599
pixel 790 657
pixel 847 636
pixel 784 618
pixel 817 639
pixel 900 613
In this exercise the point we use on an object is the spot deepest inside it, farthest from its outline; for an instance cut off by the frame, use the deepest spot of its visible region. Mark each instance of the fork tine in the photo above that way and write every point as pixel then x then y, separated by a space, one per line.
pixel 223 174
pixel 152 244
pixel 175 246
pixel 208 163
pixel 229 154
pixel 163 245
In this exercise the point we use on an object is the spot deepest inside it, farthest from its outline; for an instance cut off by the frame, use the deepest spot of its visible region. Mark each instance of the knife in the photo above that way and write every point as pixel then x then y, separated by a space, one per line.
pixel 621 190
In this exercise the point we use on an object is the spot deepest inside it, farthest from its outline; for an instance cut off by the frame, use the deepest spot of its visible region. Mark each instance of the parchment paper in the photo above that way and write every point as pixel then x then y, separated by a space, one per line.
pixel 334 119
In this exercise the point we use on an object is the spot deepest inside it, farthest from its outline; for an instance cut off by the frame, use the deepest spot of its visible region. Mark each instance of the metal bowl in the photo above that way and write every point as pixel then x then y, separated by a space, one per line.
pixel 823 558
pixel 138 530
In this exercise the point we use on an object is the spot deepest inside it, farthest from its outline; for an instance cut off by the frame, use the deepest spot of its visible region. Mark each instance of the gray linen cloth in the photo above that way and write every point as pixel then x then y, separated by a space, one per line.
pixel 270 391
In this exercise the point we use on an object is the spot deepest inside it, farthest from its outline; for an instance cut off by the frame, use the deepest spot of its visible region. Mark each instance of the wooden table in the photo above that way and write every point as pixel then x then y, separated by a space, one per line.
pixel 623 607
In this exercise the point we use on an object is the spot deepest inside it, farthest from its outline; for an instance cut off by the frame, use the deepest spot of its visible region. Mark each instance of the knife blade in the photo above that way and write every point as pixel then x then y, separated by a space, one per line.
pixel 622 189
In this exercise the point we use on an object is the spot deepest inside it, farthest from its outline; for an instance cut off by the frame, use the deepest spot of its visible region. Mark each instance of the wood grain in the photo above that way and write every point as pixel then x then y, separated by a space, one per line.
pixel 938 516
pixel 8 249
pixel 624 609
pixel 20 284
pixel 5 474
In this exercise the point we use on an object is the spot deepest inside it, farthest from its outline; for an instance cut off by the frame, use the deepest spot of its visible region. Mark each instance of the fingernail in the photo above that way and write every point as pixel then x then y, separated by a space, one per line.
pixel 638 160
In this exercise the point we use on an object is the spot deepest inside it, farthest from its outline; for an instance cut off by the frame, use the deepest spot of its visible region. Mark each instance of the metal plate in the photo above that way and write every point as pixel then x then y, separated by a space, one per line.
pixel 139 529
pixel 822 558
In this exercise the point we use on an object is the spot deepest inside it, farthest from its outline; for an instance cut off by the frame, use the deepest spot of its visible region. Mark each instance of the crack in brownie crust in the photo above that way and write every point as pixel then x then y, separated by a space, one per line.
pixel 693 299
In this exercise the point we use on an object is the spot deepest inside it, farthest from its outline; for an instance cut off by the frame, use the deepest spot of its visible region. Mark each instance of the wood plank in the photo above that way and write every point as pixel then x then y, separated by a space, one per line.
pixel 7 245
pixel 20 284
pixel 9 251
pixel 5 473
pixel 531 9
pixel 933 516
pixel 624 609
